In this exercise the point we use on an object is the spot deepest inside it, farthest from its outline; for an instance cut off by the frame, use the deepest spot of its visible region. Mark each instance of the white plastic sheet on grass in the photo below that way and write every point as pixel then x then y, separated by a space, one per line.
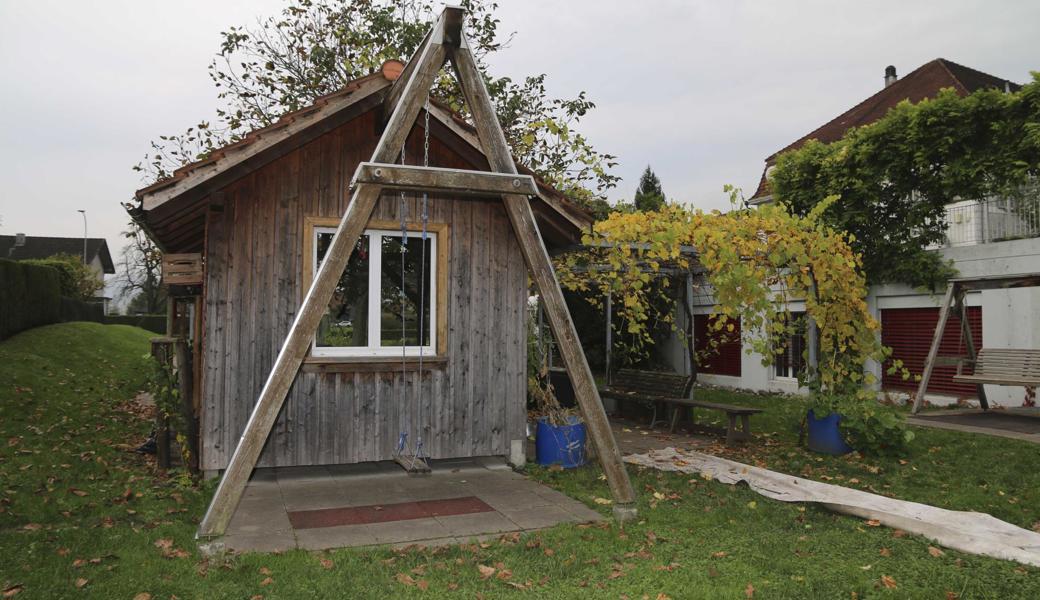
pixel 971 532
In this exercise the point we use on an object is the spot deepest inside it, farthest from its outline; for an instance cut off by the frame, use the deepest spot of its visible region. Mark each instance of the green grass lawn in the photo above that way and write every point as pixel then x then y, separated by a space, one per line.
pixel 954 470
pixel 82 516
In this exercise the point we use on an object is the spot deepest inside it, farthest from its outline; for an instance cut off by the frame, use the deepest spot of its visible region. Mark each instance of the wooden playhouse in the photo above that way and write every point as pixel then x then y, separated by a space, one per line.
pixel 424 330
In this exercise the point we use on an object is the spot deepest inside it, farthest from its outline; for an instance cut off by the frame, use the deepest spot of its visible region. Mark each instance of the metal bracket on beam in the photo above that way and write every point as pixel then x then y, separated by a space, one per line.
pixel 442 180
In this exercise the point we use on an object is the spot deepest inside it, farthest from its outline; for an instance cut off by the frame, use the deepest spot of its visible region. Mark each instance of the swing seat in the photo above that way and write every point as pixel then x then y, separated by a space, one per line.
pixel 1003 366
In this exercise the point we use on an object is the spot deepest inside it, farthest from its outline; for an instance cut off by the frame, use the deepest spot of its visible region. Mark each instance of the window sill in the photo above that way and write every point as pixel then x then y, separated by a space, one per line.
pixel 355 364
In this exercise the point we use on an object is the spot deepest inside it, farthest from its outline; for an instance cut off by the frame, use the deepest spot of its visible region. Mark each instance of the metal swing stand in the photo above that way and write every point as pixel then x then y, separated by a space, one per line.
pixel 445 42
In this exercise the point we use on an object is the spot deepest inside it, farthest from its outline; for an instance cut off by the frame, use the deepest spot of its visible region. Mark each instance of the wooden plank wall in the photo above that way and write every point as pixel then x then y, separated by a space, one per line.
pixel 473 404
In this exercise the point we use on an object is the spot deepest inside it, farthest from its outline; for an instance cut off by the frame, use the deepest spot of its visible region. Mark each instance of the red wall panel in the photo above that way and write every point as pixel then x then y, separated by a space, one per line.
pixel 724 362
pixel 909 331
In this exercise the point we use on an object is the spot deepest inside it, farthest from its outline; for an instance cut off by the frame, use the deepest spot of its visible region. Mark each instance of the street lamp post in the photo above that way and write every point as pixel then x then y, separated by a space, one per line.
pixel 84 213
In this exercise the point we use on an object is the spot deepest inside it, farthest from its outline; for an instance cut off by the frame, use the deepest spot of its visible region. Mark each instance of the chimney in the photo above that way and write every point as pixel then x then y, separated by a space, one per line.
pixel 19 240
pixel 890 75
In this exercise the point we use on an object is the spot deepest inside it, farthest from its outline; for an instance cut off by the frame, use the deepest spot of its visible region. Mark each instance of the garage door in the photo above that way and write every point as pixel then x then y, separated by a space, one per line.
pixel 909 331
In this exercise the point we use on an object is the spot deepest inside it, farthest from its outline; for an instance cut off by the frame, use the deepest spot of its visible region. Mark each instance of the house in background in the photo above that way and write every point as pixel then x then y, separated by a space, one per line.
pixel 95 253
pixel 983 238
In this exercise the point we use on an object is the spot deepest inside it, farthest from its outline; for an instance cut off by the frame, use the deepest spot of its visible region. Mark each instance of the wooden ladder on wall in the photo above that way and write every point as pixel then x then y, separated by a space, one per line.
pixel 445 42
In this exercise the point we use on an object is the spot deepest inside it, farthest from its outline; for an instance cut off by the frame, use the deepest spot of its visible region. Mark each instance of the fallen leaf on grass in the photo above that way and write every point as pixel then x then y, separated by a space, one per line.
pixel 935 551
pixel 81 582
pixel 485 571
pixel 326 563
pixel 143 596
pixel 899 533
pixel 504 574
pixel 602 501
pixel 78 492
pixel 749 591
pixel 405 578
pixel 264 571
pixel 951 595
pixel 663 596
pixel 31 526
pixel 885 552
pixel 719 554
pixel 267 581
pixel 888 582
pixel 874 523
pixel 13 590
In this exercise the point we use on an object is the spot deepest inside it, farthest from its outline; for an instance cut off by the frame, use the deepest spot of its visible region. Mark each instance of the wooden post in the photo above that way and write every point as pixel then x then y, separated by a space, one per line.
pixel 185 388
pixel 610 334
pixel 540 266
pixel 962 309
pixel 929 363
pixel 316 301
pixel 161 352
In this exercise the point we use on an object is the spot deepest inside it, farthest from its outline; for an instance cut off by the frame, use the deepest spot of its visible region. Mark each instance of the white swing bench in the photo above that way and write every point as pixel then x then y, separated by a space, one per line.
pixel 1002 366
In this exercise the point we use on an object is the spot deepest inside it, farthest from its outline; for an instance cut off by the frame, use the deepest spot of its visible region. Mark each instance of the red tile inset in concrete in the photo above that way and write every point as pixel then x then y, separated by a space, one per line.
pixel 384 513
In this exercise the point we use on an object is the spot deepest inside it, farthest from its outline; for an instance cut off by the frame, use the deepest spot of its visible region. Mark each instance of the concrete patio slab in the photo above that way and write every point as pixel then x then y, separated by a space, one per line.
pixel 379 504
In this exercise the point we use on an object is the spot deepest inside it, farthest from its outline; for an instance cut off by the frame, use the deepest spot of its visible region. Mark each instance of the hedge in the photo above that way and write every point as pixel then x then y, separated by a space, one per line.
pixel 30 296
pixel 153 323
pixel 78 310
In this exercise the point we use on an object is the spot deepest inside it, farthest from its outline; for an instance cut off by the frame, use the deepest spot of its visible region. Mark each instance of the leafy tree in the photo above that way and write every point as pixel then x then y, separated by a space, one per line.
pixel 315 47
pixel 77 280
pixel 649 195
pixel 140 276
pixel 894 177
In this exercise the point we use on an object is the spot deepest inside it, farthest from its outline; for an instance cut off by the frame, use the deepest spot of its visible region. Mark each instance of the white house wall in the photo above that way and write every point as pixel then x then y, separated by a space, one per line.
pixel 1010 318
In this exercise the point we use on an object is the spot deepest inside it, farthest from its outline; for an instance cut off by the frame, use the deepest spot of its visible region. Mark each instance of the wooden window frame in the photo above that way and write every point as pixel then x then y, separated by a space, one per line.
pixel 442 246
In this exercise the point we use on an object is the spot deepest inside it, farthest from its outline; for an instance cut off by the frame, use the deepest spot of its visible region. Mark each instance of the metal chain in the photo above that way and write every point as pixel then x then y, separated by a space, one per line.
pixel 419 454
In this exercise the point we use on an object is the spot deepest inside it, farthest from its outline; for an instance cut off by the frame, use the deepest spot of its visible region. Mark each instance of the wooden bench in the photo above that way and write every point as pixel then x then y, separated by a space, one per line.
pixel 1003 366
pixel 671 389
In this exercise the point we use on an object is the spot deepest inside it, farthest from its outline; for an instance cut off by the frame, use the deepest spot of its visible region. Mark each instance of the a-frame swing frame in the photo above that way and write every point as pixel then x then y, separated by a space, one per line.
pixel 445 42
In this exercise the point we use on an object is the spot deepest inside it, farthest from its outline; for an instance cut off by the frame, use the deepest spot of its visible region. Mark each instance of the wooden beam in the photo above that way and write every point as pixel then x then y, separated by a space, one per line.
pixel 540 266
pixel 436 34
pixel 929 363
pixel 437 179
pixel 316 301
pixel 962 310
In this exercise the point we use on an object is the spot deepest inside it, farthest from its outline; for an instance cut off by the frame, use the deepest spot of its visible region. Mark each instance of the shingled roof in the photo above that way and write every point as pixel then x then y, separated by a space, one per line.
pixel 45 247
pixel 924 82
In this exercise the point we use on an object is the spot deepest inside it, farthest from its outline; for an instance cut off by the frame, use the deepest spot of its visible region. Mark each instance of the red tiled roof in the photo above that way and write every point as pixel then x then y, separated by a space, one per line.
pixel 923 82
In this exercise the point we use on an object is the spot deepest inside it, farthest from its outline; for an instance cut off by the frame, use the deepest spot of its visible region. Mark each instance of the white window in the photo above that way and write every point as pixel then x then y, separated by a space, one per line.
pixel 375 310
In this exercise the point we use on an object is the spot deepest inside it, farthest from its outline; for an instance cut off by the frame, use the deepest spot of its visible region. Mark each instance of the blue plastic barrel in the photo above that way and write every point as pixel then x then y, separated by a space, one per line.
pixel 562 445
pixel 825 436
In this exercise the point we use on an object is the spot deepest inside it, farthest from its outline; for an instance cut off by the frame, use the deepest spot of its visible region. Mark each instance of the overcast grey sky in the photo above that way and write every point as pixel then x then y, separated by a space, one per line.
pixel 701 90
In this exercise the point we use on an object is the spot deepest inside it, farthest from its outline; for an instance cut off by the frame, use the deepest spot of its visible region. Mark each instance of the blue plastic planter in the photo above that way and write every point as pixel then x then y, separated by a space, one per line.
pixel 825 436
pixel 563 445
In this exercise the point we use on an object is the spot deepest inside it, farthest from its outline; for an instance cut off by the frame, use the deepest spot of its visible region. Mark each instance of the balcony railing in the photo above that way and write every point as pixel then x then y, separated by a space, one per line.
pixel 995 220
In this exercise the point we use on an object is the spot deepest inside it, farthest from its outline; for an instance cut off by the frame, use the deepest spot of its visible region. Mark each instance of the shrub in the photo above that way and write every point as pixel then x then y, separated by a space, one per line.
pixel 77 280
pixel 30 296
pixel 867 425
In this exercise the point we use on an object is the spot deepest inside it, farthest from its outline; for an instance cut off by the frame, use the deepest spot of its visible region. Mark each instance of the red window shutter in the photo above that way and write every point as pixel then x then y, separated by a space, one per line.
pixel 909 332
pixel 726 361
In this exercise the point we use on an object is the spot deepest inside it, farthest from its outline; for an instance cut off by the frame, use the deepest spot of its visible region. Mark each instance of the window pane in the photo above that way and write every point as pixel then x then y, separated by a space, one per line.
pixel 791 362
pixel 345 323
pixel 397 306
